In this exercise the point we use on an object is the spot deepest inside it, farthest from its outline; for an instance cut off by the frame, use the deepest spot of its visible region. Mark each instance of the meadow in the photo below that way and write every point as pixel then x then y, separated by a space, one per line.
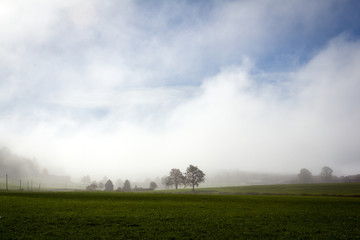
pixel 316 189
pixel 102 215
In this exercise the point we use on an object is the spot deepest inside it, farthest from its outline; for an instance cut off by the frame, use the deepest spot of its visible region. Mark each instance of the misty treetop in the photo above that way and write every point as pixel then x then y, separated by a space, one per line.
pixel 153 185
pixel 91 187
pixel 86 179
pixel 326 174
pixel 305 176
pixel 17 166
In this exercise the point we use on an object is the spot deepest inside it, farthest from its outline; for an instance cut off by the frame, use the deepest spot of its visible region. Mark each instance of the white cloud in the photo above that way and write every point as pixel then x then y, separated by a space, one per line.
pixel 231 123
pixel 113 89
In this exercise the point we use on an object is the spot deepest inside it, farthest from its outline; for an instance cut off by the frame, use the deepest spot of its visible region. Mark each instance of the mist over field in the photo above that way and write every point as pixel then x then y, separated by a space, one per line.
pixel 132 89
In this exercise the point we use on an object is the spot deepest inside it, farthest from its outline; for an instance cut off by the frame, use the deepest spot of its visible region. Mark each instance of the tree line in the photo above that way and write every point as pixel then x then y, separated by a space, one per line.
pixel 325 176
pixel 305 176
pixel 126 187
pixel 193 176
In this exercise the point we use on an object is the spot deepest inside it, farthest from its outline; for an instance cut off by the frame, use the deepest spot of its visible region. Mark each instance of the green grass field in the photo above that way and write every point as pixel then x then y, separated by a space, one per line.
pixel 99 215
pixel 331 189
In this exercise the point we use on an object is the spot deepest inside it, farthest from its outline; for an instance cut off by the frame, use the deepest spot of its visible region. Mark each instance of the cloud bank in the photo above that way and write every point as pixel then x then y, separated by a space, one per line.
pixel 126 89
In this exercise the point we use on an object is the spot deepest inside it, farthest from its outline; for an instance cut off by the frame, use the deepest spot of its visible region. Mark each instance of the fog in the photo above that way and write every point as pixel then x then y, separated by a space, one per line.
pixel 130 90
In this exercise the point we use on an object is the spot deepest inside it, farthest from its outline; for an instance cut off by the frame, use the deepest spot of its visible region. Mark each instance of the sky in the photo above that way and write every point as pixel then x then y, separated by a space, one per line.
pixel 131 89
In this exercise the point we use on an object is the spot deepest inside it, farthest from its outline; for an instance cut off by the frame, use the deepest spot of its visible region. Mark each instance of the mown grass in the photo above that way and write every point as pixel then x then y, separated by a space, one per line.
pixel 99 215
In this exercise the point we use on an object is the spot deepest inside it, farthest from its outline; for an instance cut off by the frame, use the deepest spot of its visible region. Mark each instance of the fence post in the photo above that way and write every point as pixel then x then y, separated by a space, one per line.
pixel 20 184
pixel 7 183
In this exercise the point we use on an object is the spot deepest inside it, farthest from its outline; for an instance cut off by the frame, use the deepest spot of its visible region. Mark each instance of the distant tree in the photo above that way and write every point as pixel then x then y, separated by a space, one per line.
pixel 119 183
pixel 127 186
pixel 350 178
pixel 45 171
pixel 91 187
pixel 17 166
pixel 85 179
pixel 194 176
pixel 184 181
pixel 153 185
pixel 326 174
pixel 101 185
pixel 104 179
pixel 305 176
pixel 176 178
pixel 165 181
pixel 109 186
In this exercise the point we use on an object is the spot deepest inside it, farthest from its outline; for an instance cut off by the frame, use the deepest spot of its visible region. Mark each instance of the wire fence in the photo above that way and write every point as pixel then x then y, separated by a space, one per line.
pixel 11 183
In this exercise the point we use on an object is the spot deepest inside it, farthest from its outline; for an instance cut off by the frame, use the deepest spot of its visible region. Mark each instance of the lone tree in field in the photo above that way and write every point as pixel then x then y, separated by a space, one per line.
pixel 127 186
pixel 109 186
pixel 153 185
pixel 176 177
pixel 305 176
pixel 194 176
pixel 326 174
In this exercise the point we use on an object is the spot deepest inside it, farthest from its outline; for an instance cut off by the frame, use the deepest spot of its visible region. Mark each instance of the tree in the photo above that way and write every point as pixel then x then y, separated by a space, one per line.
pixel 326 174
pixel 127 186
pixel 46 172
pixel 105 179
pixel 101 185
pixel 165 181
pixel 184 181
pixel 176 177
pixel 153 185
pixel 91 187
pixel 109 186
pixel 85 179
pixel 119 183
pixel 194 176
pixel 305 176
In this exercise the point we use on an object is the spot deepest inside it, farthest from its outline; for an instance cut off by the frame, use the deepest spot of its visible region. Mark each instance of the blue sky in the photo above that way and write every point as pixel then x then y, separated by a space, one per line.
pixel 252 85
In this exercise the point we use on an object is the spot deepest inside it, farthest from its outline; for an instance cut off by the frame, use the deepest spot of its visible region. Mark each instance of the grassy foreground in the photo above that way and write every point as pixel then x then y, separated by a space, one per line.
pixel 317 189
pixel 83 215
